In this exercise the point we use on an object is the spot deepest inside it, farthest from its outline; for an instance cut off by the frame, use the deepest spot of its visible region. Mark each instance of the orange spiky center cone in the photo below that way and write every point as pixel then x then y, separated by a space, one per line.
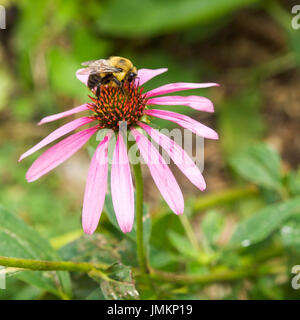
pixel 118 104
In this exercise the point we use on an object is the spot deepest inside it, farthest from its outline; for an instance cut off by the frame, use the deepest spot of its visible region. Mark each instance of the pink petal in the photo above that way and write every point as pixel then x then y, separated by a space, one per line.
pixel 179 86
pixel 122 187
pixel 195 102
pixel 145 75
pixel 185 122
pixel 57 116
pixel 178 155
pixel 57 154
pixel 57 134
pixel 82 77
pixel 161 173
pixel 95 188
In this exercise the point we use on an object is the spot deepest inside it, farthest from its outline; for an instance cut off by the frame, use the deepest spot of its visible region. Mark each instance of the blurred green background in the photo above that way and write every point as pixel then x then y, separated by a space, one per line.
pixel 247 46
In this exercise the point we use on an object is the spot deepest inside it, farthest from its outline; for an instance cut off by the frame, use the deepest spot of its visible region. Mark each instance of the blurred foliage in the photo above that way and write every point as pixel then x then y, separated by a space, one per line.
pixel 252 235
pixel 168 15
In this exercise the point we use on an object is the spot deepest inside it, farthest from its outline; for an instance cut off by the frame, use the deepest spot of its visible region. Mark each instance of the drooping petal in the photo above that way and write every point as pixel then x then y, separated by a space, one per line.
pixel 57 134
pixel 195 102
pixel 185 122
pixel 82 77
pixel 122 187
pixel 95 188
pixel 64 114
pixel 57 154
pixel 161 173
pixel 145 75
pixel 178 86
pixel 178 155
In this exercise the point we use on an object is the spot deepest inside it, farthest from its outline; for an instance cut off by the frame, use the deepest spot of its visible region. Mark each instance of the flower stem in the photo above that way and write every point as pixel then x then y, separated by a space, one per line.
pixel 250 269
pixel 139 187
pixel 41 265
pixel 224 197
pixel 189 231
pixel 218 276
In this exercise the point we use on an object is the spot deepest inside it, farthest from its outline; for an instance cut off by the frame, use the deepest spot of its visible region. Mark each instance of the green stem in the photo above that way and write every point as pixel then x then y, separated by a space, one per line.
pixel 189 231
pixel 217 199
pixel 250 270
pixel 42 265
pixel 217 276
pixel 223 197
pixel 139 188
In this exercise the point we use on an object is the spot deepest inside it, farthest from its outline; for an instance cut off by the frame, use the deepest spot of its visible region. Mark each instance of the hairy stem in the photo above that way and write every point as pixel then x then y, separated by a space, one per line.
pixel 252 269
pixel 42 265
pixel 217 276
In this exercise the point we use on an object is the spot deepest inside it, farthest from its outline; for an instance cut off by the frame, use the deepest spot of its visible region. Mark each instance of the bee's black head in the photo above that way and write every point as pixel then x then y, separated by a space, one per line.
pixel 131 76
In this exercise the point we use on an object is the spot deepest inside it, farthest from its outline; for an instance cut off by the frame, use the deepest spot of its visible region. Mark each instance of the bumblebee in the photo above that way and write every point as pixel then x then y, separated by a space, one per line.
pixel 114 71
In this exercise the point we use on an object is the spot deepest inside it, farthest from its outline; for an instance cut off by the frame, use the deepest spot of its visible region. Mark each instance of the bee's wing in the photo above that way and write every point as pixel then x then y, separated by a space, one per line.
pixel 88 63
pixel 87 71
pixel 98 66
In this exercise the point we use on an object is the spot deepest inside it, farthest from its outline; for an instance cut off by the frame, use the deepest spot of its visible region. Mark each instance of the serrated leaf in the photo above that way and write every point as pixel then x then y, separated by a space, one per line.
pixel 259 164
pixel 20 241
pixel 261 225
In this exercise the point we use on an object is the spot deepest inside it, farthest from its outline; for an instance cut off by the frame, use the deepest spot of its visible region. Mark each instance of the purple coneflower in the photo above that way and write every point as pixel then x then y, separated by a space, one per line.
pixel 128 105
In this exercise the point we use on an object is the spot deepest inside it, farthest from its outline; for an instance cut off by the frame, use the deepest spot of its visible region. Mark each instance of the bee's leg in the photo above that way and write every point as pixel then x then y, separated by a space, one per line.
pixel 98 91
pixel 94 80
pixel 118 83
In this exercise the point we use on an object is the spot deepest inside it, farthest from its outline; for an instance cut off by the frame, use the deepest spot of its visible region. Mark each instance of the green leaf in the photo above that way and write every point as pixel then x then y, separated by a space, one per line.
pixel 92 248
pixel 122 285
pixel 96 295
pixel 182 245
pixel 211 226
pixel 159 236
pixel 260 226
pixel 152 17
pixel 109 252
pixel 161 258
pixel 259 164
pixel 20 241
pixel 293 182
pixel 290 233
